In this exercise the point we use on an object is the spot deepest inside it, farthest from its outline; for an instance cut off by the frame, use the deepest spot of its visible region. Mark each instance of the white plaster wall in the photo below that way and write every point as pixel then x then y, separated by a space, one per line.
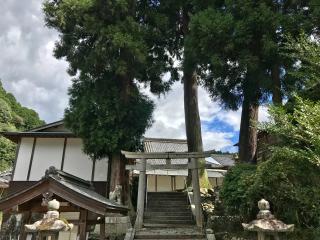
pixel 180 182
pixel 216 181
pixel 76 162
pixel 101 170
pixel 164 183
pixel 48 152
pixel 22 164
pixel 151 183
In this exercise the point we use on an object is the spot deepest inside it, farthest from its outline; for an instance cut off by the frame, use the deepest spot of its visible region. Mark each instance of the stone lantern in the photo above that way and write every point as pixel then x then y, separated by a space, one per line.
pixel 50 225
pixel 266 224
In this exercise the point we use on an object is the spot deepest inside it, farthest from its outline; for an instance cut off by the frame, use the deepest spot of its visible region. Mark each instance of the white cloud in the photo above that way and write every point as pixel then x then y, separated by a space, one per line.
pixel 39 81
pixel 169 118
pixel 231 118
pixel 217 140
pixel 263 114
pixel 27 67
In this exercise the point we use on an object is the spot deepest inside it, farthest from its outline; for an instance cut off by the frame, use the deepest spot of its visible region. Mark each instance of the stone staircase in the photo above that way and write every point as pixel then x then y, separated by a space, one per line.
pixel 168 216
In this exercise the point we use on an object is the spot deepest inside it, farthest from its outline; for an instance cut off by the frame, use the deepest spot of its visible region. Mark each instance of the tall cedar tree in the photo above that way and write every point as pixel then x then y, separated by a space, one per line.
pixel 176 15
pixel 109 50
pixel 238 46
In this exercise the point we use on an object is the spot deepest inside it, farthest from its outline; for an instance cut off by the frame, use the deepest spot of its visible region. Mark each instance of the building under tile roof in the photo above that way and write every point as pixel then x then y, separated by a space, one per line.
pixel 152 145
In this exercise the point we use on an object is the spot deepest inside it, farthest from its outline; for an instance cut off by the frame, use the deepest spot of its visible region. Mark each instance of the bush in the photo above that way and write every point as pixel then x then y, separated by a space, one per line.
pixel 234 191
pixel 289 179
pixel 291 184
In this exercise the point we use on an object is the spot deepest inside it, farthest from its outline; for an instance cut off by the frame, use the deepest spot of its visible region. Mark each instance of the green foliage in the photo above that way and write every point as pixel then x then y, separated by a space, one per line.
pixel 235 187
pixel 5 111
pixel 12 113
pixel 290 179
pixel 299 129
pixel 110 48
pixel 13 117
pixel 106 124
pixel 282 180
pixel 237 43
pixel 7 154
pixel 111 37
pixel 306 73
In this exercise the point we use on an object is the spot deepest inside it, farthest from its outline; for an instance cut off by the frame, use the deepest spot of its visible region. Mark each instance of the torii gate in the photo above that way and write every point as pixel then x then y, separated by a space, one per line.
pixel 193 165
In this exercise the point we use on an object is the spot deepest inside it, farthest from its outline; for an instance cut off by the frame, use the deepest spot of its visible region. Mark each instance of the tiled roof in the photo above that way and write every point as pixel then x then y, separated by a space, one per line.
pixel 66 186
pixel 226 160
pixel 165 145
pixel 152 145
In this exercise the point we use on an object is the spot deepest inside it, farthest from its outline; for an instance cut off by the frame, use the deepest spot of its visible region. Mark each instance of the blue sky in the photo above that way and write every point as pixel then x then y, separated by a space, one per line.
pixel 39 81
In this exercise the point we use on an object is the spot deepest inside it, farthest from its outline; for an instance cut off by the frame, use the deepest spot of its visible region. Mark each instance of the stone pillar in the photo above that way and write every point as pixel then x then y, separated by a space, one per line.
pixel 83 224
pixel 141 194
pixel 196 191
pixel 261 236
pixel 103 230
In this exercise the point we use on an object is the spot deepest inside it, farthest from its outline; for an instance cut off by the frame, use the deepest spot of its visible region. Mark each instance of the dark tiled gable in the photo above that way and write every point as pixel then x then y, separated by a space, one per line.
pixel 71 188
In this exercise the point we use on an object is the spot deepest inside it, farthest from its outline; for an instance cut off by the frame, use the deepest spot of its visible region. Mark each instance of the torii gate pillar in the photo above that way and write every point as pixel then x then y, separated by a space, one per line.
pixel 196 191
pixel 194 156
pixel 141 194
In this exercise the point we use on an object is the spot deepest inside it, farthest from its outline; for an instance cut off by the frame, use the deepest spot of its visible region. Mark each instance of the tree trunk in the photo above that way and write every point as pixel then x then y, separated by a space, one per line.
pixel 193 124
pixel 118 173
pixel 276 85
pixel 248 126
pixel 191 109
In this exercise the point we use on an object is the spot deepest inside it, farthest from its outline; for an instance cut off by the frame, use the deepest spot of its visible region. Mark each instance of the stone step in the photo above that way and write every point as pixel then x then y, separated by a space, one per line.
pixel 169 206
pixel 182 208
pixel 200 237
pixel 170 233
pixel 167 196
pixel 167 202
pixel 165 225
pixel 170 221
pixel 172 217
pixel 171 238
pixel 186 210
pixel 168 214
pixel 166 192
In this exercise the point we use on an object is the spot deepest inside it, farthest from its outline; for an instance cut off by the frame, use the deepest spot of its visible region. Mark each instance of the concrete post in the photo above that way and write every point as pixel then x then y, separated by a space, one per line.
pixel 141 194
pixel 196 191
pixel 261 236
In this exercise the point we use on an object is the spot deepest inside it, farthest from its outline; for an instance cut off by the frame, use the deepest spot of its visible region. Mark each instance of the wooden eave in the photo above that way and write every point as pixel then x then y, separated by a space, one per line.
pixel 51 185
pixel 46 126
pixel 16 136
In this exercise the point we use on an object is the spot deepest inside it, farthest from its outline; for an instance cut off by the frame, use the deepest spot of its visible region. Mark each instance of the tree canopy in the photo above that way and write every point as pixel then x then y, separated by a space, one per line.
pixel 238 46
pixel 281 177
pixel 110 50
pixel 106 124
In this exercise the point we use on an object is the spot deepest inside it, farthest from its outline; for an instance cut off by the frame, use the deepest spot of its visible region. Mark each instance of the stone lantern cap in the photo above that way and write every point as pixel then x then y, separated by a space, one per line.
pixel 266 222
